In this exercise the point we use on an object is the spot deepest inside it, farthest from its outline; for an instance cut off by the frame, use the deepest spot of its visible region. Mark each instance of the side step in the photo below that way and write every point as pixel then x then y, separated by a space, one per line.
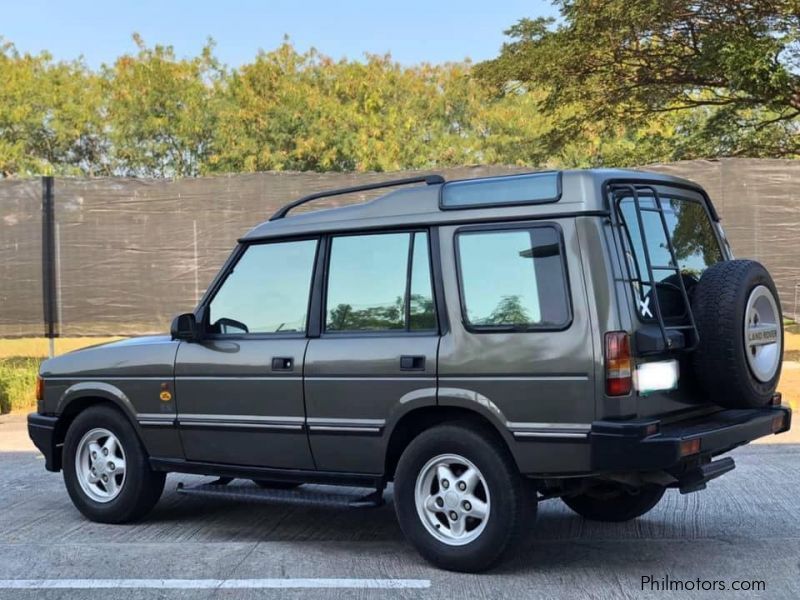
pixel 697 478
pixel 302 497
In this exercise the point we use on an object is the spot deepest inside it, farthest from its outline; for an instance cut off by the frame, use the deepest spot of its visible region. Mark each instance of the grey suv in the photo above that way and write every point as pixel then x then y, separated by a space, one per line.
pixel 484 344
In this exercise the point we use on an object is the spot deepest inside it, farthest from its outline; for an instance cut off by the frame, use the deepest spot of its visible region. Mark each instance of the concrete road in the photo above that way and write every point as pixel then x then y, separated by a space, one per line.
pixel 744 527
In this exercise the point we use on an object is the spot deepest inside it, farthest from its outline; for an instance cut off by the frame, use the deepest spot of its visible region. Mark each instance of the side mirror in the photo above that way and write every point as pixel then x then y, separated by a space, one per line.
pixel 184 327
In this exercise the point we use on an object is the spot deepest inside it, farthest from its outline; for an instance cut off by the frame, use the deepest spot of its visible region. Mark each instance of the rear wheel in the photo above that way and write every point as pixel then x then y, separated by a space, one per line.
pixel 460 499
pixel 106 469
pixel 614 503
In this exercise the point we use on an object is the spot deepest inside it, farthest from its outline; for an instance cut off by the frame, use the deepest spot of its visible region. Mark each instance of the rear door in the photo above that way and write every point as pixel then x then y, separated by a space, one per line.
pixel 240 390
pixel 697 246
pixel 376 353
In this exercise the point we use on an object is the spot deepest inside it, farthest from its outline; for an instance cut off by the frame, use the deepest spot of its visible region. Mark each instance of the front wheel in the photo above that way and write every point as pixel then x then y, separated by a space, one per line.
pixel 460 499
pixel 106 469
pixel 614 503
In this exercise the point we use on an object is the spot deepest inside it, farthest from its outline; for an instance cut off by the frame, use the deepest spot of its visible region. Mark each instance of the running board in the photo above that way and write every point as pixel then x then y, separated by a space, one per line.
pixel 301 497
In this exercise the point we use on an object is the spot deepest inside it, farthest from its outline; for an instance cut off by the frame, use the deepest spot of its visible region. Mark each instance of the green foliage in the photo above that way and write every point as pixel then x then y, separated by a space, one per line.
pixel 509 311
pixel 617 82
pixel 693 232
pixel 713 77
pixel 160 111
pixel 307 112
pixel 17 383
pixel 49 115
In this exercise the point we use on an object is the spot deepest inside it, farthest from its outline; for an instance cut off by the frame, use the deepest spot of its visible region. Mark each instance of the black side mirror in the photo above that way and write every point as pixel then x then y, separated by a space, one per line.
pixel 185 327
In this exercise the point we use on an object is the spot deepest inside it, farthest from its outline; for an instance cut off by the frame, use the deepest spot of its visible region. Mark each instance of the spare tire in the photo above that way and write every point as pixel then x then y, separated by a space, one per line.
pixel 738 358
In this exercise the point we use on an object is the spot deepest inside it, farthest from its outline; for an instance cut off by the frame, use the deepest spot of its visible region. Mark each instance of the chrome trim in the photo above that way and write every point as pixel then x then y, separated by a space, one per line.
pixel 342 429
pixel 156 416
pixel 549 426
pixel 515 377
pixel 368 378
pixel 550 434
pixel 240 425
pixel 549 430
pixel 242 421
pixel 322 425
pixel 276 376
pixel 156 420
pixel 93 378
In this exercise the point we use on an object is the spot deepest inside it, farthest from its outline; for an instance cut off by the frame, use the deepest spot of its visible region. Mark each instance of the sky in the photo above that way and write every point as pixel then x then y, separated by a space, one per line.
pixel 413 31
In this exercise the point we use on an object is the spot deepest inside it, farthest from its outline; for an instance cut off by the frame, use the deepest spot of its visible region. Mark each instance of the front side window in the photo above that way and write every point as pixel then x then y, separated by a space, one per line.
pixel 513 279
pixel 267 291
pixel 379 282
pixel 693 239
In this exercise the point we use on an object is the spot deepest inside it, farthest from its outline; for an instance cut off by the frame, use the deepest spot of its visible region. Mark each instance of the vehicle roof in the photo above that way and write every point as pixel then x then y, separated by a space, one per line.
pixel 581 192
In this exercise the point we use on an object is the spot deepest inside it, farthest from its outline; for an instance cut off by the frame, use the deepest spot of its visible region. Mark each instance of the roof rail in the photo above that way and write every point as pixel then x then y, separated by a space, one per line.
pixel 427 179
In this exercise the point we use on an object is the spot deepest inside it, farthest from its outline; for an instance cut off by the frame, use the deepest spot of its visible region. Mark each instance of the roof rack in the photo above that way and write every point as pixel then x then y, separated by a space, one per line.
pixel 427 179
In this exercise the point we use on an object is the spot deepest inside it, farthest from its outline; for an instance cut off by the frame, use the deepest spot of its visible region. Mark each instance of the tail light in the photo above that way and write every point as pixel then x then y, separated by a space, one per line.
pixel 618 364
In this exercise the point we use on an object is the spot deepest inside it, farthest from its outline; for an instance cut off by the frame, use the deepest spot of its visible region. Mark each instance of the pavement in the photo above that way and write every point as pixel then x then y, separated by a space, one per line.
pixel 744 528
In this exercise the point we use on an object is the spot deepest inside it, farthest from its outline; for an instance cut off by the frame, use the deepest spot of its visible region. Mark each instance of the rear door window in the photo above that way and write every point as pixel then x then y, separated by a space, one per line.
pixel 380 282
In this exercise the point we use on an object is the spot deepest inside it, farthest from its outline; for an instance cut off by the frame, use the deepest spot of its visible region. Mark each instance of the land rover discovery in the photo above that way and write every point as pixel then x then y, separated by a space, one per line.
pixel 483 344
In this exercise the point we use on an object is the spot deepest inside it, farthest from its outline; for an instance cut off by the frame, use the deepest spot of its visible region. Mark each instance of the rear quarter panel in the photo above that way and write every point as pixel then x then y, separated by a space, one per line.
pixel 536 381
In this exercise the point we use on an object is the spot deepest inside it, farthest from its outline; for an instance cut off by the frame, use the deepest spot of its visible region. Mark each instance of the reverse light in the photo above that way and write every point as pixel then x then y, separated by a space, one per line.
pixel 618 364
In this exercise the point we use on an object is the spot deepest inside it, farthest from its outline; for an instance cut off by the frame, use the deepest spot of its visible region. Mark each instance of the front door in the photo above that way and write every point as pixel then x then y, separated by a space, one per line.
pixel 240 390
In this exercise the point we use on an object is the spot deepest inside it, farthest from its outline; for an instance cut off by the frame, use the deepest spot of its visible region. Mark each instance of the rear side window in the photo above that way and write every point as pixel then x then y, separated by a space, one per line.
pixel 380 282
pixel 513 279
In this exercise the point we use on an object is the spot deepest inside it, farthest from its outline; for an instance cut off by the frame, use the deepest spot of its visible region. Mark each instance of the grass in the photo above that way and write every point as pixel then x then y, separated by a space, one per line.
pixel 39 346
pixel 17 383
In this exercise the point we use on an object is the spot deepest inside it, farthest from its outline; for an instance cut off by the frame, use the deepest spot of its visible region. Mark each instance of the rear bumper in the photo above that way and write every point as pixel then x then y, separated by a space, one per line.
pixel 650 445
pixel 41 430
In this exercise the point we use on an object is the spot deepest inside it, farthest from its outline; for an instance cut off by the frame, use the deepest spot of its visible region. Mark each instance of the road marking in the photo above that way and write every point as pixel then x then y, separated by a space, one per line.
pixel 205 584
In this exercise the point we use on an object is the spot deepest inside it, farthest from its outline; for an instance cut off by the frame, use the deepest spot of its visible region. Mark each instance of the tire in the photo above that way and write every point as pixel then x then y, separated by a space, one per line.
pixel 139 487
pixel 731 298
pixel 509 500
pixel 614 504
pixel 269 484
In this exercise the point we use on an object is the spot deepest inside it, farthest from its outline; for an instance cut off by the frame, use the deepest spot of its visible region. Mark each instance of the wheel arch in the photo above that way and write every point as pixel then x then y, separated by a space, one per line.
pixel 415 421
pixel 82 396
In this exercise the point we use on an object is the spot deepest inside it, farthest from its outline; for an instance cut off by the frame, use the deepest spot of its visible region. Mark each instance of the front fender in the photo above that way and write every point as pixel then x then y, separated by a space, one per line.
pixel 97 389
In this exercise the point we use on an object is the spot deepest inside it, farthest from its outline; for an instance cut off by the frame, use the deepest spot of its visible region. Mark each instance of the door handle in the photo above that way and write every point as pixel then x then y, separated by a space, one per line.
pixel 282 363
pixel 412 363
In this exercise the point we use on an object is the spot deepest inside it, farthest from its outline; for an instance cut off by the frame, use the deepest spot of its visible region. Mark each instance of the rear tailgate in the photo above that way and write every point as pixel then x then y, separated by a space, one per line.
pixel 667 239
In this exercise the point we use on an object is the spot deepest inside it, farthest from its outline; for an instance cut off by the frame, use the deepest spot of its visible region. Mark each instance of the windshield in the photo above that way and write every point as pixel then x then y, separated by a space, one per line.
pixel 693 239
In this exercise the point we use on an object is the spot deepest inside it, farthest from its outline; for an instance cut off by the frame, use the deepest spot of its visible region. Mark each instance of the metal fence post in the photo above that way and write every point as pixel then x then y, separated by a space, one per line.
pixel 49 283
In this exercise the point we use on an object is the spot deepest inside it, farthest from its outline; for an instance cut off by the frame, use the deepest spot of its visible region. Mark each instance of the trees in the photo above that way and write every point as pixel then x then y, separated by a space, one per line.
pixel 305 111
pixel 616 83
pixel 49 115
pixel 722 74
pixel 160 111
